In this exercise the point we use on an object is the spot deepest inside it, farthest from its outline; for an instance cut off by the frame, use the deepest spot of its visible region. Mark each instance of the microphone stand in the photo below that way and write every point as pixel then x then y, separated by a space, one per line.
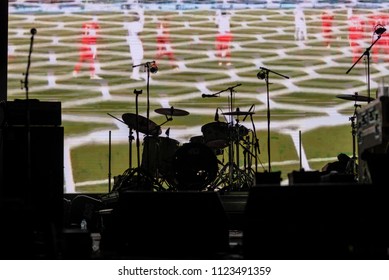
pixel 266 77
pixel 28 117
pixel 148 66
pixel 367 54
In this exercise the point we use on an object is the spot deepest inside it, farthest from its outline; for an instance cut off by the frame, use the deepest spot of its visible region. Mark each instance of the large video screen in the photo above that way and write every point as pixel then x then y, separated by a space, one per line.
pixel 276 74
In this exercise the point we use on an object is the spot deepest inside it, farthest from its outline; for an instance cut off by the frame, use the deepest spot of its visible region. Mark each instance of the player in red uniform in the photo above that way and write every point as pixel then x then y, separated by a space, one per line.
pixel 223 37
pixel 88 48
pixel 164 47
pixel 356 34
pixel 327 18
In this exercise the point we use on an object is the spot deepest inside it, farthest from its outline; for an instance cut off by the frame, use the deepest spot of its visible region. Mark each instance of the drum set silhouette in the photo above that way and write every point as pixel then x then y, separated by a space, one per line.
pixel 197 165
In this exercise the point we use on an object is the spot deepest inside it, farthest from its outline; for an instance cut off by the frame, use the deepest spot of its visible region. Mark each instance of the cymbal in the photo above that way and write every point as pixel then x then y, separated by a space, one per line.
pixel 144 126
pixel 171 112
pixel 238 113
pixel 355 97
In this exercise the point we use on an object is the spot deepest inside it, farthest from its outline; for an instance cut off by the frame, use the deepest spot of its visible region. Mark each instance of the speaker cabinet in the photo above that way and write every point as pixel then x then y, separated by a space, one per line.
pixel 167 225
pixel 32 170
pixel 317 222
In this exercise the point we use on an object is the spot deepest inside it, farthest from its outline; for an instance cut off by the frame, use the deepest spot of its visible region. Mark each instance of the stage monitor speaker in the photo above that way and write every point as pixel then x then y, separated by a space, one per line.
pixel 316 222
pixel 32 170
pixel 268 178
pixel 304 177
pixel 167 225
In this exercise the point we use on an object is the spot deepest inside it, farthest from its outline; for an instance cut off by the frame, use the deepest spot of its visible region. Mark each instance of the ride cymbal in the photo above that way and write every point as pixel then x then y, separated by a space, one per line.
pixel 171 112
pixel 238 113
pixel 144 126
pixel 355 97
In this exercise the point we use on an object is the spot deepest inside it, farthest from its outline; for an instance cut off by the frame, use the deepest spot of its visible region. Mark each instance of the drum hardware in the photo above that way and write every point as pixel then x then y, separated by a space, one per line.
pixel 352 167
pixel 239 179
pixel 264 75
pixel 144 125
pixel 136 179
pixel 255 140
pixel 229 134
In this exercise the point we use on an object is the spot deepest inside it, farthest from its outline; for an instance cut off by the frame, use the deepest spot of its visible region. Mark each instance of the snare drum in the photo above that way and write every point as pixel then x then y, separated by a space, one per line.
pixel 215 134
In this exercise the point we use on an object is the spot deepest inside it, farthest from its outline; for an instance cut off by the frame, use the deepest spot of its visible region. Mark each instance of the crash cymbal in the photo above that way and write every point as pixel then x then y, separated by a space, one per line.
pixel 171 112
pixel 144 126
pixel 238 113
pixel 355 97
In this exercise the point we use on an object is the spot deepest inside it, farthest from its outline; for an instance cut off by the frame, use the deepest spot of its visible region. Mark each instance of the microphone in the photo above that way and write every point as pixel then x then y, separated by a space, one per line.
pixel 217 115
pixel 33 31
pixel 153 67
pixel 208 95
pixel 247 114
pixel 261 75
pixel 380 30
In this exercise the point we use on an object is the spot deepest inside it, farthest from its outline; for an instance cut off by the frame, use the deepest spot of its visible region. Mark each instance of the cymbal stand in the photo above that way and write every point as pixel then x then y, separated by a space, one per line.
pixel 235 174
pixel 230 165
pixel 256 143
pixel 248 156
pixel 137 93
pixel 353 168
pixel 264 74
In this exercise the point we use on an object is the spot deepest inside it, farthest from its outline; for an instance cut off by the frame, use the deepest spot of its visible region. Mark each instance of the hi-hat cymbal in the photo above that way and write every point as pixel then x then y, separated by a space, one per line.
pixel 171 112
pixel 355 97
pixel 144 126
pixel 238 113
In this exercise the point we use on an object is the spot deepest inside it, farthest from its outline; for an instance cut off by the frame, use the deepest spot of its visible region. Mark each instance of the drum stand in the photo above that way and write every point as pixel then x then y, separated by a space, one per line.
pixel 231 177
pixel 239 179
pixel 352 165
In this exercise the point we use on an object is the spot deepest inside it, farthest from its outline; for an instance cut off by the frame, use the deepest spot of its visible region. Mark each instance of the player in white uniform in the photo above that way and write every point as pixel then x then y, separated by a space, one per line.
pixel 300 25
pixel 135 43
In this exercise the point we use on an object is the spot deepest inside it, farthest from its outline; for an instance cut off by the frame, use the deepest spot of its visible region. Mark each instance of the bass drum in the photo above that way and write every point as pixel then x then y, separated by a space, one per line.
pixel 195 166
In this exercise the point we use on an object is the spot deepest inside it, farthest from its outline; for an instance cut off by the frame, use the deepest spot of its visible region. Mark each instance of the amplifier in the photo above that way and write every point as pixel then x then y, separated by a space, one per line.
pixel 373 124
pixel 41 112
pixel 373 140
